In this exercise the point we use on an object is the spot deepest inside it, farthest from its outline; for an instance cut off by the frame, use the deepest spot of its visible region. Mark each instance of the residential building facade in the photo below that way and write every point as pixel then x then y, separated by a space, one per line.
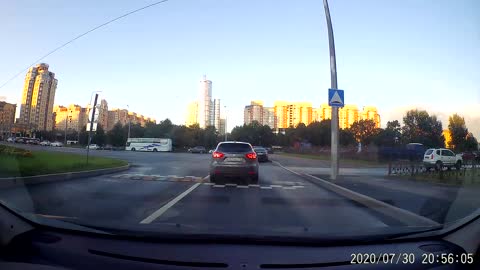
pixel 371 113
pixel 73 117
pixel 36 109
pixel 7 118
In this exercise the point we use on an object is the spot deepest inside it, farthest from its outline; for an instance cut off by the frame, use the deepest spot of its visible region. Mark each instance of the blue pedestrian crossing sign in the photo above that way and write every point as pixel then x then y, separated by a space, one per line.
pixel 336 98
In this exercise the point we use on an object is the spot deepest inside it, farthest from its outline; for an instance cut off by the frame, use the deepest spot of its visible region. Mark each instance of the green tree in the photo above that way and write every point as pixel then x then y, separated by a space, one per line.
pixel 83 136
pixel 99 136
pixel 116 136
pixel 346 137
pixel 162 130
pixel 364 131
pixel 471 143
pixel 458 132
pixel 420 127
pixel 389 136
pixel 319 133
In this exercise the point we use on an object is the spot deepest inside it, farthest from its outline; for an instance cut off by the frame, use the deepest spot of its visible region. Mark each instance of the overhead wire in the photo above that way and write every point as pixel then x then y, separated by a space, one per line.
pixel 79 36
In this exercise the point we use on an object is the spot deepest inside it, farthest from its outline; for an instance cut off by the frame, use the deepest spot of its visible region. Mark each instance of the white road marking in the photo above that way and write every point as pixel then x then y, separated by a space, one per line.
pixel 277 186
pixel 230 185
pixel 298 186
pixel 242 186
pixel 288 188
pixel 253 185
pixel 209 184
pixel 266 187
pixel 219 186
pixel 171 203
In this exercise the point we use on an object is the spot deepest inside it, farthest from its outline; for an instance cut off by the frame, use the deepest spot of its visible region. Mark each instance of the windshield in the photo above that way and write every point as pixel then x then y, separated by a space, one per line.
pixel 141 115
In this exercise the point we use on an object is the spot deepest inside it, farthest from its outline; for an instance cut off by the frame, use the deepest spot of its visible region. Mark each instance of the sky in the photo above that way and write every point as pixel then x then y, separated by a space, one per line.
pixel 395 55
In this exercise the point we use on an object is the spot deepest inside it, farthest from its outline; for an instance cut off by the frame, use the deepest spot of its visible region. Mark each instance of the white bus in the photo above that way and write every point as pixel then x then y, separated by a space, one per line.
pixel 149 144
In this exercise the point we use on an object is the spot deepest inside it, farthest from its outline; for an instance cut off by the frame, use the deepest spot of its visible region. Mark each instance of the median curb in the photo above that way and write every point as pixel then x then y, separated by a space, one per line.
pixel 9 182
pixel 384 208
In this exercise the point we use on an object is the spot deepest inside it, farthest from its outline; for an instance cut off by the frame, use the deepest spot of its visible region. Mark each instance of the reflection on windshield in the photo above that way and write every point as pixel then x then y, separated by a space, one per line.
pixel 242 118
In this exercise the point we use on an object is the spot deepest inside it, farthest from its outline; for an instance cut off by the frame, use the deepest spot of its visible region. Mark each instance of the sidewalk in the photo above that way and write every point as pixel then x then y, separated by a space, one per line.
pixel 441 203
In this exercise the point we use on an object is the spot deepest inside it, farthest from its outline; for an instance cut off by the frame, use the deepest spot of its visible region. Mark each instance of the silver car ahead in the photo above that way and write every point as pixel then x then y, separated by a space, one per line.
pixel 234 159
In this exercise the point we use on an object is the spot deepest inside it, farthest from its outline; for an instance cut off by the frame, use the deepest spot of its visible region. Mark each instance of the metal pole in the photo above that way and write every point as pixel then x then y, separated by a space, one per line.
pixel 333 78
pixel 91 125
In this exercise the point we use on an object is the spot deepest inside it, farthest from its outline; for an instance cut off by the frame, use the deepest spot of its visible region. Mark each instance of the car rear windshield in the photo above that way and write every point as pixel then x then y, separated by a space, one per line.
pixel 429 152
pixel 234 148
pixel 259 149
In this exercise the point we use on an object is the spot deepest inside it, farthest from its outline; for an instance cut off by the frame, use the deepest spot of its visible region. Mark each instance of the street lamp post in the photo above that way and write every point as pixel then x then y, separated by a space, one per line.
pixel 333 79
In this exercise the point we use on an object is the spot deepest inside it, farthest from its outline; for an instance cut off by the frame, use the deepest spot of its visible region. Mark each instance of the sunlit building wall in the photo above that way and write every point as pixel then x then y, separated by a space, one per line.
pixel 192 114
pixel 36 109
pixel 371 113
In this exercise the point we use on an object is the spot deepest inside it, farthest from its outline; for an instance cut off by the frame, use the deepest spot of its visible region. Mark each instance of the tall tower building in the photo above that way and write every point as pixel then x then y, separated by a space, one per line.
pixel 216 114
pixel 205 103
pixel 36 110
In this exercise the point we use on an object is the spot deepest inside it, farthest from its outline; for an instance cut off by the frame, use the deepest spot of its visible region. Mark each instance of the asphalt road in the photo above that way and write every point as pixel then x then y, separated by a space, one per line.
pixel 165 190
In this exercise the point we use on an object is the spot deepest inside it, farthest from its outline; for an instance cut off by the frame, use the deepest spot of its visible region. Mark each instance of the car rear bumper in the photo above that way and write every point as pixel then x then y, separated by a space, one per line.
pixel 262 157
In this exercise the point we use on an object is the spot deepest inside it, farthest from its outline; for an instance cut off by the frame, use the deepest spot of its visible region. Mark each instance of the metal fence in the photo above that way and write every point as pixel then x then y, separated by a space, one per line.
pixel 470 169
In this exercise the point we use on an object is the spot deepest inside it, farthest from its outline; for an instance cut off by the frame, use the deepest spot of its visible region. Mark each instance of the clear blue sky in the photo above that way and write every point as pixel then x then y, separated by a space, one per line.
pixel 390 54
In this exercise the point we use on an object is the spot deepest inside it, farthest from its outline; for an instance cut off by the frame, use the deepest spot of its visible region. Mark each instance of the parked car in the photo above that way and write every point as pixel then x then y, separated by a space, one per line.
pixel 262 153
pixel 107 147
pixel 234 159
pixel 468 155
pixel 45 143
pixel 56 144
pixel 11 140
pixel 19 140
pixel 198 149
pixel 441 157
pixel 93 147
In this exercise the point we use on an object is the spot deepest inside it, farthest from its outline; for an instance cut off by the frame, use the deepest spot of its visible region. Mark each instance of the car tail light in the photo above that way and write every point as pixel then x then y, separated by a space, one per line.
pixel 217 154
pixel 251 155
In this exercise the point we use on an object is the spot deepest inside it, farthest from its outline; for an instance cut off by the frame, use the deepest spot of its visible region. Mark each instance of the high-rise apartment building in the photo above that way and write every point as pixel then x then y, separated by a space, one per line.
pixel 325 112
pixel 205 103
pixel 117 116
pixel 371 113
pixel 7 118
pixel 253 112
pixel 74 115
pixel 347 116
pixel 269 117
pixel 223 126
pixel 290 114
pixel 36 109
pixel 192 114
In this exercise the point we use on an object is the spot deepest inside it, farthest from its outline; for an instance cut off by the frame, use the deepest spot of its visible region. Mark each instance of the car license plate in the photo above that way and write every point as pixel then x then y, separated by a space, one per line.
pixel 234 159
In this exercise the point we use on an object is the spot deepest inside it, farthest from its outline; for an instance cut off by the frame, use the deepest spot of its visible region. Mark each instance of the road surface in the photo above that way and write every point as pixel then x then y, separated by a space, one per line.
pixel 164 190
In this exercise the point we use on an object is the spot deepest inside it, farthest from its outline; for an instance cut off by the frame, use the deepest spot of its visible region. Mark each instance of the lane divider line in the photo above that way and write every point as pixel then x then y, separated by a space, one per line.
pixel 167 206
pixel 373 204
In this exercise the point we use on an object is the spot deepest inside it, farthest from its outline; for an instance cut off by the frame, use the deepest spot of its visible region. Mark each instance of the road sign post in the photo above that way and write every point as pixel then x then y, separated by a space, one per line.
pixel 92 119
pixel 333 78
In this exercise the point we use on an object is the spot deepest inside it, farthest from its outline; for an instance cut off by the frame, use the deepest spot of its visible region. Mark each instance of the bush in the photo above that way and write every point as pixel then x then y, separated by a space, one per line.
pixel 13 151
